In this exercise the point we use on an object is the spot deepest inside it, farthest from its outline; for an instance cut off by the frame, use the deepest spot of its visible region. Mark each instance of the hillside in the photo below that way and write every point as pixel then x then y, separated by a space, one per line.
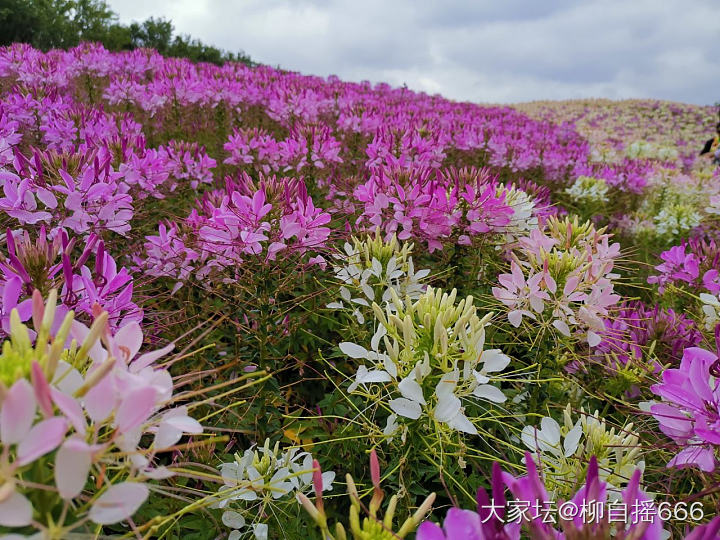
pixel 226 287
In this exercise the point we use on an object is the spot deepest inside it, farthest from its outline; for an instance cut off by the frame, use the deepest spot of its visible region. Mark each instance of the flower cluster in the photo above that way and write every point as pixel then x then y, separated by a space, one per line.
pixel 588 190
pixel 264 473
pixel 44 264
pixel 369 268
pixel 561 277
pixel 435 206
pixel 676 219
pixel 566 449
pixel 693 264
pixel 641 519
pixel 431 353
pixel 305 147
pixel 371 527
pixel 89 404
pixel 635 326
pixel 78 191
pixel 249 219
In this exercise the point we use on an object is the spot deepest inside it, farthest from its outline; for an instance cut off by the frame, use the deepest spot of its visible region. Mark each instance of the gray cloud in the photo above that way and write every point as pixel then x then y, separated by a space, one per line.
pixel 484 51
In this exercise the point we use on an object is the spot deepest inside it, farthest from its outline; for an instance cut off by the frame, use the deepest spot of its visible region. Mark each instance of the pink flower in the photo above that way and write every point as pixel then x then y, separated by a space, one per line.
pixel 31 441
pixel 521 295
pixel 690 412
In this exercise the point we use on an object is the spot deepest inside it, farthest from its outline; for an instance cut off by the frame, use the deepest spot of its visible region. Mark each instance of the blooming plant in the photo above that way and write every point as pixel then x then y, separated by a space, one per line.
pixel 562 278
pixel 43 264
pixel 616 453
pixel 87 404
pixel 429 347
pixel 689 412
pixel 369 268
pixel 247 220
pixel 371 527
pixel 264 475
pixel 529 489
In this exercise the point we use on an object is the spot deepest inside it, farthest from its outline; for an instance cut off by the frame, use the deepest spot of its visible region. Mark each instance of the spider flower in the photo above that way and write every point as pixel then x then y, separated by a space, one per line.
pixel 694 264
pixel 271 219
pixel 94 278
pixel 561 276
pixel 430 352
pixel 371 527
pixel 82 397
pixel 369 268
pixel 565 450
pixel 635 326
pixel 690 410
pixel 540 521
pixel 265 473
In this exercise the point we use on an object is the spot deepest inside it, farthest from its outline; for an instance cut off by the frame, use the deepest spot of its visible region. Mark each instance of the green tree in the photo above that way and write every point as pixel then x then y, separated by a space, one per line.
pixel 47 24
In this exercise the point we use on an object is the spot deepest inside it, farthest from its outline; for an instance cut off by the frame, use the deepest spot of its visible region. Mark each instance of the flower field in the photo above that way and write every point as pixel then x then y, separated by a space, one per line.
pixel 241 302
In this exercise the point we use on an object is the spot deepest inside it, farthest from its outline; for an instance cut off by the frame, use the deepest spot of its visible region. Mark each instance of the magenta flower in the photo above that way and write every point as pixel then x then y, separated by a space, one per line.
pixel 458 524
pixel 709 531
pixel 642 522
pixel 693 263
pixel 82 284
pixel 635 326
pixel 248 220
pixel 12 290
pixel 690 412
pixel 531 488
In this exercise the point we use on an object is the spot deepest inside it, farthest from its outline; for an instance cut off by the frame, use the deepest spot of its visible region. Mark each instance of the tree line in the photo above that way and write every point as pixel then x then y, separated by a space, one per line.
pixel 48 24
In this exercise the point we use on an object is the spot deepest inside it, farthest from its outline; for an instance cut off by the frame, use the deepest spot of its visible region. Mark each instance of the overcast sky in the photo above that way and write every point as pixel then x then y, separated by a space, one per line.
pixel 476 50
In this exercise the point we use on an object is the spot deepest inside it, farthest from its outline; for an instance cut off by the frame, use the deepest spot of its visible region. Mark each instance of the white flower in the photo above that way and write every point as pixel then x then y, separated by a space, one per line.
pixel 260 530
pixel 406 407
pixel 714 207
pixel 353 350
pixel 676 219
pixel 173 425
pixel 410 389
pixel 391 426
pixel 304 480
pixel 449 408
pixel 233 519
pixel 494 360
pixel 371 269
pixel 365 376
pixel 523 218
pixel 547 439
pixel 264 472
pixel 430 351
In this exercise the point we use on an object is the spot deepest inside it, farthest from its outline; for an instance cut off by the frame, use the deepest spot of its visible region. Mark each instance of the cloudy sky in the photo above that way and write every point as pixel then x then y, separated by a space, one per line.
pixel 476 50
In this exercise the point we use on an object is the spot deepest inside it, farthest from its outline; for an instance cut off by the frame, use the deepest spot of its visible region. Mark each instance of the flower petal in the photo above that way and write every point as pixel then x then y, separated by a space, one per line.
pixel 353 350
pixel 135 409
pixel 118 503
pixel 494 360
pixel 15 511
pixel 234 520
pixel 429 531
pixel 72 464
pixel 43 438
pixel 17 412
pixel 405 407
pixel 489 392
pixel 410 389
